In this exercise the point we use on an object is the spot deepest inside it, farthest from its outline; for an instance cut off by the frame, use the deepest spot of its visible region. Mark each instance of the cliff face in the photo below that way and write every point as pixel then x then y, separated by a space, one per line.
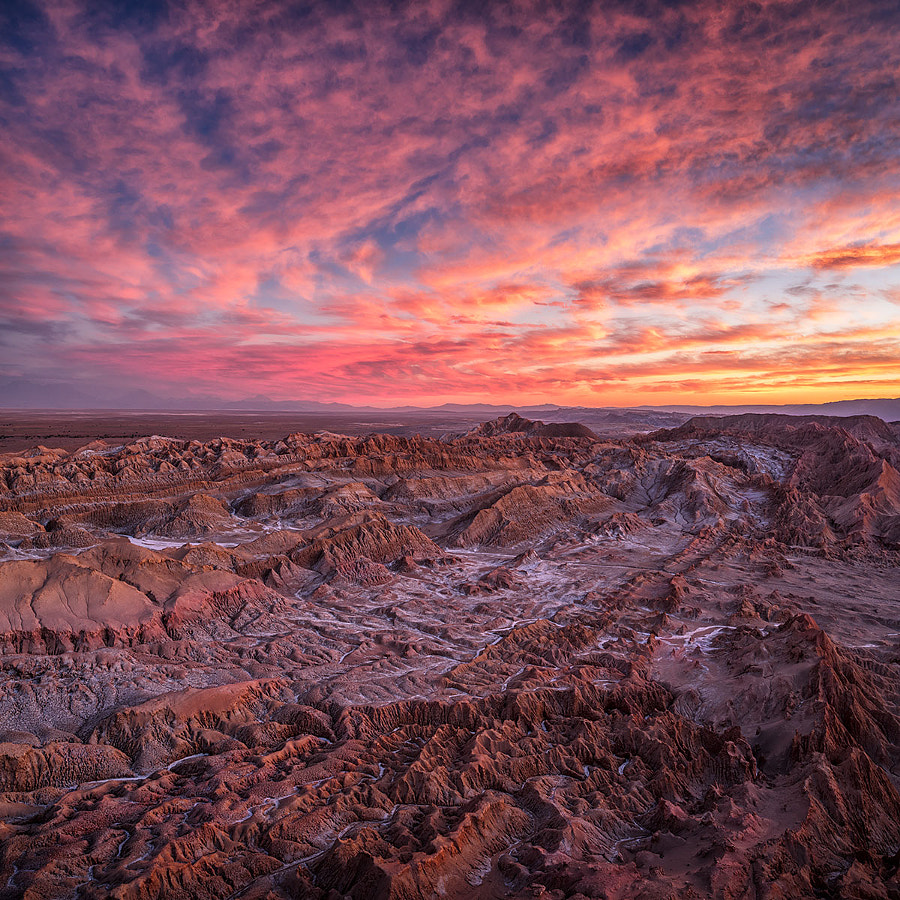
pixel 520 662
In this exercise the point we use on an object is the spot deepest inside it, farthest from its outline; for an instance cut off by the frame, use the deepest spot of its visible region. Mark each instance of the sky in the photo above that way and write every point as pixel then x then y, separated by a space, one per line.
pixel 604 204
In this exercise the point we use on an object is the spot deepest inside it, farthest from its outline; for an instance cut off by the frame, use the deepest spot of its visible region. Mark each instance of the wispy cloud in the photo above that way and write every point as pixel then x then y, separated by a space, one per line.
pixel 430 202
pixel 860 255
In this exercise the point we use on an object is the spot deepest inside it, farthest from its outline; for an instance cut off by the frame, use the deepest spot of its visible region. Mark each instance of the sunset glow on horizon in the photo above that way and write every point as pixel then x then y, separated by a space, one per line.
pixel 599 204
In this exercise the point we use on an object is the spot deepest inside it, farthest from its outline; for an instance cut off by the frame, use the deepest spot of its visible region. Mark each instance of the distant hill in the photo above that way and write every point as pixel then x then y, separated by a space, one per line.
pixel 21 393
pixel 883 408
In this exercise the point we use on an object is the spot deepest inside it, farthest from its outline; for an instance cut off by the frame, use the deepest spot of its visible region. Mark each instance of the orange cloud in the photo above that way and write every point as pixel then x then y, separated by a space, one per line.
pixel 863 255
pixel 428 204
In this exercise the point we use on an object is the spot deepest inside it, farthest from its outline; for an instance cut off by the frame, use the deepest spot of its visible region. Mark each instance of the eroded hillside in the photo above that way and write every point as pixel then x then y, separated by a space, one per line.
pixel 525 661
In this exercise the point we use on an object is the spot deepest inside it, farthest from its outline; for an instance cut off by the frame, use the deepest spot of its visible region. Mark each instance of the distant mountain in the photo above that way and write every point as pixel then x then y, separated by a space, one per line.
pixel 260 403
pixel 889 410
pixel 19 393
pixel 140 399
pixel 486 407
pixel 883 408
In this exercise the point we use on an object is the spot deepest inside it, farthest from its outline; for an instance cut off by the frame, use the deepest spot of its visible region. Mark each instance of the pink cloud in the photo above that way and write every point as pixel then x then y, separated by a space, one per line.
pixel 432 205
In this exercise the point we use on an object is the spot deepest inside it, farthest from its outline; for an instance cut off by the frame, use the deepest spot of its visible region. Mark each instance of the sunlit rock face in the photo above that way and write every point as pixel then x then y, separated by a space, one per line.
pixel 524 661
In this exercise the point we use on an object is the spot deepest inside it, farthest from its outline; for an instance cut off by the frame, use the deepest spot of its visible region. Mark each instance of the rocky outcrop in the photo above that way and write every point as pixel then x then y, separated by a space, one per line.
pixel 26 769
pixel 62 603
pixel 527 511
pixel 520 662
pixel 515 424
pixel 364 538
pixel 839 488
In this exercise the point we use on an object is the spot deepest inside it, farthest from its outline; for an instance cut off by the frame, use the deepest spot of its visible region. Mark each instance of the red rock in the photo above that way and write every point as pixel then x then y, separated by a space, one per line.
pixel 652 668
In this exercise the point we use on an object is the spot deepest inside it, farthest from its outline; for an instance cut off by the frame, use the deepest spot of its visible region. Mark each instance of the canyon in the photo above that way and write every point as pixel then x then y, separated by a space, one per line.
pixel 521 660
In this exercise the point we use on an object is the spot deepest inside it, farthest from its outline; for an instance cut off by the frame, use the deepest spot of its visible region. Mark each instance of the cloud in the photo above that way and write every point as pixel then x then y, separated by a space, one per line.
pixel 858 256
pixel 433 201
pixel 649 283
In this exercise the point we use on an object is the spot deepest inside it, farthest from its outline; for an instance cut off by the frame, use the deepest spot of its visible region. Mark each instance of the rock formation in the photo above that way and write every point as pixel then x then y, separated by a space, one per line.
pixel 518 662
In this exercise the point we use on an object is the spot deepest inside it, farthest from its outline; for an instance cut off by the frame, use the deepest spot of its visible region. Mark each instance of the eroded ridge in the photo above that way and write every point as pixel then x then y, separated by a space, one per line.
pixel 518 662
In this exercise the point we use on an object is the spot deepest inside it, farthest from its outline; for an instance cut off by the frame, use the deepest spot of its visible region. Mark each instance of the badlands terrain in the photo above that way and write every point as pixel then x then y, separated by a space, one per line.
pixel 70 430
pixel 522 661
